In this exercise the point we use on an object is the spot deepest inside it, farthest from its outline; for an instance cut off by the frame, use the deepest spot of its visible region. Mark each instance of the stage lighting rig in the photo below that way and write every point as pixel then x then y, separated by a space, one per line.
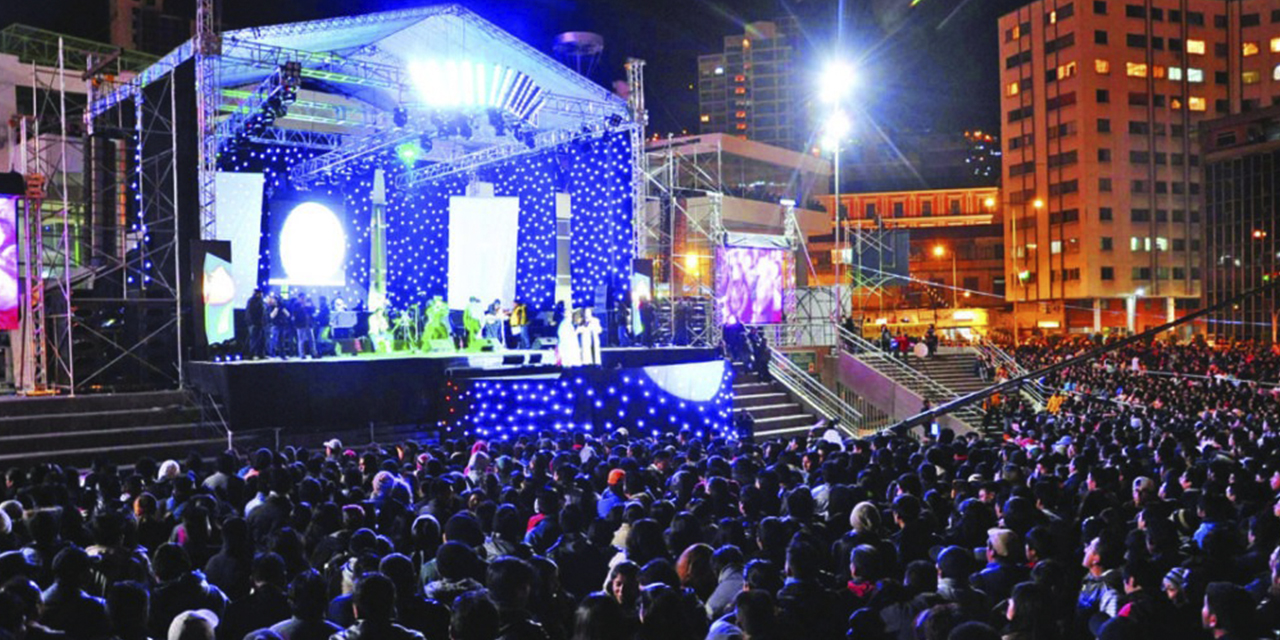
pixel 496 121
pixel 614 121
pixel 400 117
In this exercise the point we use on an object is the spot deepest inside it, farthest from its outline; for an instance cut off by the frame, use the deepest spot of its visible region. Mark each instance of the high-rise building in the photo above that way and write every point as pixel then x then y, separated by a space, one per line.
pixel 751 90
pixel 1242 234
pixel 1101 100
pixel 144 25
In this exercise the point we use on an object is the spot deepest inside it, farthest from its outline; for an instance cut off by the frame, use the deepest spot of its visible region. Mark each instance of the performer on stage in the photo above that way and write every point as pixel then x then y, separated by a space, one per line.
pixel 303 324
pixel 494 320
pixel 257 315
pixel 520 324
pixel 471 321
pixel 589 337
pixel 437 320
pixel 569 347
pixel 280 325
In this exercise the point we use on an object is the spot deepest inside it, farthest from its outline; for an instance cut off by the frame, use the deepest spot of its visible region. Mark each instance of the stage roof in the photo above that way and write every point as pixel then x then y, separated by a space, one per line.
pixel 367 57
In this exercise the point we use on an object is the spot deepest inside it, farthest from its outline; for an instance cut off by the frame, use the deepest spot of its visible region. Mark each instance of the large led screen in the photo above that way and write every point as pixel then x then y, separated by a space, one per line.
pixel 8 263
pixel 219 291
pixel 749 285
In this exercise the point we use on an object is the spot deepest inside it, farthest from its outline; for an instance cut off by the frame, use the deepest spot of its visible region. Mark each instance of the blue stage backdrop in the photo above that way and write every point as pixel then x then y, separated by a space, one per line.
pixel 596 173
pixel 697 397
pixel 347 192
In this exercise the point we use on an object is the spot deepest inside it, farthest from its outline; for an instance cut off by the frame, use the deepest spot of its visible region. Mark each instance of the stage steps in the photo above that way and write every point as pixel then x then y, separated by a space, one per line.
pixel 117 427
pixel 769 404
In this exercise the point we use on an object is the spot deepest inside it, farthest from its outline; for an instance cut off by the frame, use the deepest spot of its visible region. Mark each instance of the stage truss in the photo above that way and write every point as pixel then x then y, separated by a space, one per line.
pixel 344 132
pixel 681 228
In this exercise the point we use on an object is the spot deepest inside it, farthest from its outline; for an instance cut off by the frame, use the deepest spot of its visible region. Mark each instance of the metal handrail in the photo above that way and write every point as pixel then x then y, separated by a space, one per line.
pixel 815 393
pixel 906 375
pixel 1035 391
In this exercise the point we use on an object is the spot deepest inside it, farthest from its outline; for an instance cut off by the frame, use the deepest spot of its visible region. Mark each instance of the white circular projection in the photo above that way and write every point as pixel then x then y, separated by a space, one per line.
pixel 313 245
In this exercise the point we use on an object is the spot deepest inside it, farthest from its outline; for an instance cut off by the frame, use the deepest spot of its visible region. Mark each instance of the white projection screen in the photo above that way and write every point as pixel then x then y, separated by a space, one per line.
pixel 482 249
pixel 239 220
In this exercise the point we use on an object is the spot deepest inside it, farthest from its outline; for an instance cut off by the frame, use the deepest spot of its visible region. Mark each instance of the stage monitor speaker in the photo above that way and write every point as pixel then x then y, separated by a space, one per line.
pixel 545 343
pixel 513 361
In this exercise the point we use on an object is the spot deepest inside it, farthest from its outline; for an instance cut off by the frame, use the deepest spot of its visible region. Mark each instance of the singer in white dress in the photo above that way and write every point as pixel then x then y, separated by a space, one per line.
pixel 569 347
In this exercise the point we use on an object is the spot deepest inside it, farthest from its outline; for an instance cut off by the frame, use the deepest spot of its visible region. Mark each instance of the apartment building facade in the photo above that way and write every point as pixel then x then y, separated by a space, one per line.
pixel 1102 178
pixel 752 88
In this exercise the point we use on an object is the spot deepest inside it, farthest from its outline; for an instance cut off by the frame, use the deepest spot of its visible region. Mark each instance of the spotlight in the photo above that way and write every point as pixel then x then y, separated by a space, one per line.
pixel 400 116
pixel 425 143
pixel 615 121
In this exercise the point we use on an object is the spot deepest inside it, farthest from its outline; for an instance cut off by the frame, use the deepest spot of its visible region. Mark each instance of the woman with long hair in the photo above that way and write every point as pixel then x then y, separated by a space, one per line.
pixel 1030 614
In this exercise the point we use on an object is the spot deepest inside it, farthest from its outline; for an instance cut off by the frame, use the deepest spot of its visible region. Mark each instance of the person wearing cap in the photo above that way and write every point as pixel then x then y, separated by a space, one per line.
pixel 1004 567
pixel 194 624
pixel 614 494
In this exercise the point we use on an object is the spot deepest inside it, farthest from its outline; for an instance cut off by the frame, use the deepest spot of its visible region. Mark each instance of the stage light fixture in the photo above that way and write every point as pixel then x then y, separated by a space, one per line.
pixel 615 121
pixel 463 126
pixel 408 152
pixel 400 117
pixel 425 142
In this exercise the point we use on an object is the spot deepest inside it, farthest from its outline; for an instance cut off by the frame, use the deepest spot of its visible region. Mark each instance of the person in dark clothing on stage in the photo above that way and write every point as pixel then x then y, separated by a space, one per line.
pixel 279 316
pixel 256 315
pixel 303 324
pixel 646 322
pixel 322 321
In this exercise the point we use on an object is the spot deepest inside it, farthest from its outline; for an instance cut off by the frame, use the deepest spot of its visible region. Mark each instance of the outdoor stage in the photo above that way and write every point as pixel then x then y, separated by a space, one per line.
pixel 488 394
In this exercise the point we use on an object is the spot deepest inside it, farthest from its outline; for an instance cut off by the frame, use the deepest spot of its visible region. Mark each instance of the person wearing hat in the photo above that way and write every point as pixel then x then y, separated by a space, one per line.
pixel 614 494
pixel 195 624
pixel 1004 569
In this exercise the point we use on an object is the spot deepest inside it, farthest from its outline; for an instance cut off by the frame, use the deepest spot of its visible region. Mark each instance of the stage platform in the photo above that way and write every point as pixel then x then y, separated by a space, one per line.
pixel 433 390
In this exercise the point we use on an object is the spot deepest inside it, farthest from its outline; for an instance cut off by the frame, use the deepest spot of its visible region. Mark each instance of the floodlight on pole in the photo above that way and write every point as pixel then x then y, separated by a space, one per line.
pixel 836 82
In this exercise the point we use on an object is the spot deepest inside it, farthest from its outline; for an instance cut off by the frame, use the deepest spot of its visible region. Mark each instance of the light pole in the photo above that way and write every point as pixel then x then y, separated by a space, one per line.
pixel 834 86
pixel 938 252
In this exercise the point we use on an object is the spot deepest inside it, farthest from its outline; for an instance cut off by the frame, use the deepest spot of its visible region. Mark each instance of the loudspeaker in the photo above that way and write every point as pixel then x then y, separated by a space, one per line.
pixel 442 345
pixel 546 343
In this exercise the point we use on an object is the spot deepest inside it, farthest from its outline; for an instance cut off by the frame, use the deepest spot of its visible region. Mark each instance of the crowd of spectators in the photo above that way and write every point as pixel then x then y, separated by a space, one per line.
pixel 1143 508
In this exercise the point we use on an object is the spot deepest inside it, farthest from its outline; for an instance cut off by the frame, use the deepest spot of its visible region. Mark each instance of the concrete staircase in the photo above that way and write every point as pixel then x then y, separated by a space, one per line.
pixel 770 404
pixel 952 370
pixel 117 427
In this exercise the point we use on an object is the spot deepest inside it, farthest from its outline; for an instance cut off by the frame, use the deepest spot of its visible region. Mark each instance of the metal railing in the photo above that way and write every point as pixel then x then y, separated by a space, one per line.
pixel 1034 392
pixel 804 334
pixel 904 374
pixel 813 392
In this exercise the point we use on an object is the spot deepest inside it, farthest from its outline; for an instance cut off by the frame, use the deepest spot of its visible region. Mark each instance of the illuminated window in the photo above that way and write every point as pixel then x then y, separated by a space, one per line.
pixel 1275 73
pixel 719 71
pixel 740 114
pixel 1195 75
pixel 1195 103
pixel 705 118
pixel 741 126
pixel 1103 67
pixel 746 44
pixel 1157 71
pixel 1135 69
pixel 1250 49
pixel 1175 103
pixel 1275 45
pixel 1251 77
pixel 1013 89
pixel 1195 46
pixel 1175 73
pixel 740 91
pixel 739 78
pixel 1067 70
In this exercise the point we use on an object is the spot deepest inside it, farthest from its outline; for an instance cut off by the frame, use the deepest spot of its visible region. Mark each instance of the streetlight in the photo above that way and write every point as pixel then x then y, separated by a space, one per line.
pixel 938 252
pixel 834 131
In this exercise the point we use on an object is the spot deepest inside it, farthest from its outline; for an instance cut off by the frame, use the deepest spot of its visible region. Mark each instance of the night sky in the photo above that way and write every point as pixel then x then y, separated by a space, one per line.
pixel 931 66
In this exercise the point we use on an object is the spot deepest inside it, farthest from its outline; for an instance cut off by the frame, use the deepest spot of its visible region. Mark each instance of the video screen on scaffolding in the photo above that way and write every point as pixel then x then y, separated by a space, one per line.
pixel 749 285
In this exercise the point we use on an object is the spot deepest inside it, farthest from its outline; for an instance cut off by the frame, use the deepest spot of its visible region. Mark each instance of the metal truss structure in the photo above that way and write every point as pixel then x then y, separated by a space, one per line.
pixel 867 237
